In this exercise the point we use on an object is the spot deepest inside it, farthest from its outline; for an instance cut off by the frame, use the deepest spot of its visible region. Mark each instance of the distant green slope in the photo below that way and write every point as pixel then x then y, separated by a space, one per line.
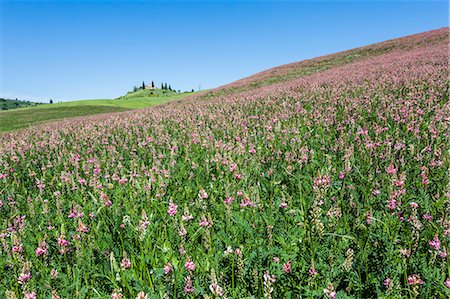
pixel 29 116
pixel 137 100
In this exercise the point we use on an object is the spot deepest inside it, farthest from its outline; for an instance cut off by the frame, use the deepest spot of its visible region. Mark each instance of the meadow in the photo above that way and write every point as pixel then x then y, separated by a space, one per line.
pixel 326 183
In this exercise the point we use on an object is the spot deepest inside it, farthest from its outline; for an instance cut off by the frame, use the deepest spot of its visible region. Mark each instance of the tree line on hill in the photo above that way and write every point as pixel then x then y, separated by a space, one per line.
pixel 164 86
pixel 8 104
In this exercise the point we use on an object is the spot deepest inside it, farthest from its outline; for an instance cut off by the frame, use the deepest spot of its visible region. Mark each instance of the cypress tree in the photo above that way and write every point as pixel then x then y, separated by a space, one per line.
pixel 153 84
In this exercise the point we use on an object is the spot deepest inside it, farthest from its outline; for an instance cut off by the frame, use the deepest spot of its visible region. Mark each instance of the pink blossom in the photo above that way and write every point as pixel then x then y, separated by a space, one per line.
pixel 17 248
pixel 188 287
pixel 329 291
pixel 116 295
pixel 427 217
pixel 172 210
pixel 447 282
pixel 435 243
pixel 246 202
pixel 229 200
pixel 312 271
pixel 414 205
pixel 414 280
pixel 204 222
pixel 287 267
pixel 391 169
pixel 202 194
pixel 168 268
pixel 24 277
pixel 125 264
pixel 30 295
pixel 189 265
pixel 41 250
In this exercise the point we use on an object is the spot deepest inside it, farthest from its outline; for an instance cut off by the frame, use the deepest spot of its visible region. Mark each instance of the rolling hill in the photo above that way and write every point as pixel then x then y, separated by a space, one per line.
pixel 31 116
pixel 326 178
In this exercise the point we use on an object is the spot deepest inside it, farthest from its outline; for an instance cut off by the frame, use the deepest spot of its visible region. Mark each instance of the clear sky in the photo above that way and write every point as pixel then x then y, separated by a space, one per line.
pixel 67 50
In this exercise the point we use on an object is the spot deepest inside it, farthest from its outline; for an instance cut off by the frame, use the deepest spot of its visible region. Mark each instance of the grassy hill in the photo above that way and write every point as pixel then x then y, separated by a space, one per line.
pixel 327 182
pixel 30 116
pixel 292 71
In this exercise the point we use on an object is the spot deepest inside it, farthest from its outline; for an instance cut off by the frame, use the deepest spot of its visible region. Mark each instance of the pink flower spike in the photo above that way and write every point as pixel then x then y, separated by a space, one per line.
pixel 172 210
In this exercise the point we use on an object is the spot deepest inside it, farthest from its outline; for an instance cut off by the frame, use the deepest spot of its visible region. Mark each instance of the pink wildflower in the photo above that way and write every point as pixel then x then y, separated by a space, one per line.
pixel 329 291
pixel 188 288
pixel 447 282
pixel 312 270
pixel 168 268
pixel 387 282
pixel 287 267
pixel 414 205
pixel 229 200
pixel 116 295
pixel 246 202
pixel 125 264
pixel 189 265
pixel 435 243
pixel 24 277
pixel 204 222
pixel 376 192
pixel 414 280
pixel 41 249
pixel 391 169
pixel 283 205
pixel 427 217
pixel 30 295
pixel 172 209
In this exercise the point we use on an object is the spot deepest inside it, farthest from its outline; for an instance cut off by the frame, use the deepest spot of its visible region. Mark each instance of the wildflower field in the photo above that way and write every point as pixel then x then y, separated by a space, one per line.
pixel 323 179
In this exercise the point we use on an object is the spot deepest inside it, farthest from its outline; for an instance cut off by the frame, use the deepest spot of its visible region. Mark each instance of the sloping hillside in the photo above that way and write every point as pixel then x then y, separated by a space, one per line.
pixel 292 71
pixel 330 184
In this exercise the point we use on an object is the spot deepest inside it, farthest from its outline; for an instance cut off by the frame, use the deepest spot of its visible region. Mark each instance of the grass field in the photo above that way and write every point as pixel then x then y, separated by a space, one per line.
pixel 30 116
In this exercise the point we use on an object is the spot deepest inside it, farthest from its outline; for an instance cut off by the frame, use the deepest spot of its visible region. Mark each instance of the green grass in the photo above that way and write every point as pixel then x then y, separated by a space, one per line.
pixel 22 118
pixel 25 117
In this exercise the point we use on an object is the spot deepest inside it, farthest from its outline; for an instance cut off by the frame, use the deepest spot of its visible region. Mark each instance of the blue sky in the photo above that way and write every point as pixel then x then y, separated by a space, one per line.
pixel 67 50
